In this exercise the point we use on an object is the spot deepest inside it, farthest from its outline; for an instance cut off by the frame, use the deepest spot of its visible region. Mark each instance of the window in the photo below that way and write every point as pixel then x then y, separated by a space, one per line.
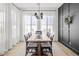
pixel 47 24
pixel 27 24
pixel 43 24
pixel 30 24
pixel 50 23
pixel 34 24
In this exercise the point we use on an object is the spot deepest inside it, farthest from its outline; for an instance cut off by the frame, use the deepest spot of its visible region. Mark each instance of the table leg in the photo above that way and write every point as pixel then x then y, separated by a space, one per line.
pixel 39 49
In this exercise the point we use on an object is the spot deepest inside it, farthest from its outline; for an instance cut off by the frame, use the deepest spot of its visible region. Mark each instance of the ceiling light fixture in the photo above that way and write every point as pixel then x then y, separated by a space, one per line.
pixel 39 15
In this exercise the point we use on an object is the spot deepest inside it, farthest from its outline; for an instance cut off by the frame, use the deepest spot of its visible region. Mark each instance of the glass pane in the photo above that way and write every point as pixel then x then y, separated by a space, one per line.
pixel 27 19
pixel 50 20
pixel 34 20
pixel 43 24
pixel 27 24
pixel 34 24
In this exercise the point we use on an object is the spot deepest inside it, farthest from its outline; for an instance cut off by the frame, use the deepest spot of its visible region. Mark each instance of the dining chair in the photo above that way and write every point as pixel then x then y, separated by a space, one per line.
pixel 30 47
pixel 47 46
pixel 48 34
pixel 29 34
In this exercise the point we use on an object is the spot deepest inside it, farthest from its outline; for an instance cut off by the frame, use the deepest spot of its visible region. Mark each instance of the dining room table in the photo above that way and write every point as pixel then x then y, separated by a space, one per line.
pixel 43 39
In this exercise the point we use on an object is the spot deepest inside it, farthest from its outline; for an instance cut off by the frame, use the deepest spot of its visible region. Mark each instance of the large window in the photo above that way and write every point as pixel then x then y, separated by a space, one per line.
pixel 34 24
pixel 50 23
pixel 30 24
pixel 27 24
pixel 43 24
pixel 47 24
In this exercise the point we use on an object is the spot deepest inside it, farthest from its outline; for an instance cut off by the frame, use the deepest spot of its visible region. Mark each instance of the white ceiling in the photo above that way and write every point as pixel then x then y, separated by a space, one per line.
pixel 34 6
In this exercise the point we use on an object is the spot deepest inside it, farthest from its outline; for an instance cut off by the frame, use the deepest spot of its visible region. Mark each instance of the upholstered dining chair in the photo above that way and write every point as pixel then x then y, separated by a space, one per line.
pixel 30 47
pixel 48 34
pixel 47 46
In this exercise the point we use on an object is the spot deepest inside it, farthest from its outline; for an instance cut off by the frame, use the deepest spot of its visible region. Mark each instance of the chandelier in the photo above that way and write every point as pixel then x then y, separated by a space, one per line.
pixel 38 15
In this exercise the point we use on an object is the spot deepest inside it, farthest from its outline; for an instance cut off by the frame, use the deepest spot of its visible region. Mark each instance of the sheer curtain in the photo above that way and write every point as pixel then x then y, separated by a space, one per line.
pixel 2 28
pixel 9 26
pixel 47 24
pixel 43 24
pixel 18 18
pixel 50 23
pixel 34 24
pixel 30 24
pixel 27 24
pixel 13 18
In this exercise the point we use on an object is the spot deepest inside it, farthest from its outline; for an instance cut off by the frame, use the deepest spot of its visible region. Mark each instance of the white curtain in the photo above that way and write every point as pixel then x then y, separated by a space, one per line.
pixel 34 24
pixel 9 26
pixel 46 23
pixel 50 23
pixel 29 24
pixel 15 20
pixel 2 28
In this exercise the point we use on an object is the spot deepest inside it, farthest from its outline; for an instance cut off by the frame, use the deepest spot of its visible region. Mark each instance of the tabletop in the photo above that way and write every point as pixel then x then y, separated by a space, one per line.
pixel 43 38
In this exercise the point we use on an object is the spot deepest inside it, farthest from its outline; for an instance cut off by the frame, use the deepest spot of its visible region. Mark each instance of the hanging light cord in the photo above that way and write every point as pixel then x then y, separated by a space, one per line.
pixel 38 10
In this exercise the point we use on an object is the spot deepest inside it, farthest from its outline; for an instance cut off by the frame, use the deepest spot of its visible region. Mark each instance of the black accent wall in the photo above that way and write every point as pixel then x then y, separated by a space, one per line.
pixel 69 33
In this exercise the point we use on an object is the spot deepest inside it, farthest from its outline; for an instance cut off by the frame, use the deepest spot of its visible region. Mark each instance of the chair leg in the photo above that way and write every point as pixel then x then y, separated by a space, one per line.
pixel 51 52
pixel 26 53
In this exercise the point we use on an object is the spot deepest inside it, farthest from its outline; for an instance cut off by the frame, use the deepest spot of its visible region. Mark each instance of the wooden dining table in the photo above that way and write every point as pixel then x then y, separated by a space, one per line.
pixel 34 39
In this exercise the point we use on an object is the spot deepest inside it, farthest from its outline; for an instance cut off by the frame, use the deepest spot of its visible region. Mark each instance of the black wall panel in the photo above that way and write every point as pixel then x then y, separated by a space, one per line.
pixel 69 33
pixel 65 26
pixel 74 27
pixel 60 24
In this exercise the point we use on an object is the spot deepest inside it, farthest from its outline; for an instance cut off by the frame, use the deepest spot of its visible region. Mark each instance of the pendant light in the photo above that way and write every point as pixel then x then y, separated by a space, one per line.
pixel 38 14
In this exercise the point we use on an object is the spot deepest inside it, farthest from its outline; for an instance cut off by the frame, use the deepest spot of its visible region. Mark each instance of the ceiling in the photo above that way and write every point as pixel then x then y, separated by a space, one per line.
pixel 35 6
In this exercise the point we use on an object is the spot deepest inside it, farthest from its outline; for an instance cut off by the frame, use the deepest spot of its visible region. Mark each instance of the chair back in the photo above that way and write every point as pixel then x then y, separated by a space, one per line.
pixel 51 37
pixel 26 37
pixel 30 34
pixel 48 34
